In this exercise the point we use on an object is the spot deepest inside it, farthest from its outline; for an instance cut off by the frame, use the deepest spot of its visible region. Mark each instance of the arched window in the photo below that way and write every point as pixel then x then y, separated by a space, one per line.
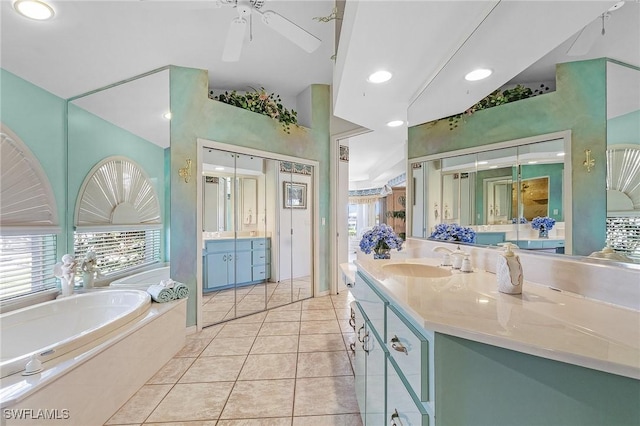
pixel 28 221
pixel 117 216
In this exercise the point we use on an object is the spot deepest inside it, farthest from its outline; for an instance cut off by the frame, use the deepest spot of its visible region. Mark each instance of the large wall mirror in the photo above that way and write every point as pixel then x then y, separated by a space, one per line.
pixel 257 232
pixel 497 192
pixel 117 179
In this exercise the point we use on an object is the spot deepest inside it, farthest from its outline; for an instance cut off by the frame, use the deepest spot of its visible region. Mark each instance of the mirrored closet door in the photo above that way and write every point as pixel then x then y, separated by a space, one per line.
pixel 256 234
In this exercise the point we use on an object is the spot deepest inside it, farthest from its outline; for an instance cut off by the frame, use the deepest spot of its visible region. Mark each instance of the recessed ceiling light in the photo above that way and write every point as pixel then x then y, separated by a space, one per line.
pixel 532 162
pixel 493 167
pixel 483 162
pixel 380 77
pixel 478 74
pixel 34 9
pixel 167 115
pixel 395 123
pixel 560 154
pixel 219 168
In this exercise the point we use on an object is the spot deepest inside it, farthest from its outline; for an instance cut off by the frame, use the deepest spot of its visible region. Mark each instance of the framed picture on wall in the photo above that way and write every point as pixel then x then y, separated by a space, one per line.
pixel 295 195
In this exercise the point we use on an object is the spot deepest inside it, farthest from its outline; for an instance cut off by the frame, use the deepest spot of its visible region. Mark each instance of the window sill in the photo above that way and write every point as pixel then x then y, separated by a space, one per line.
pixel 28 300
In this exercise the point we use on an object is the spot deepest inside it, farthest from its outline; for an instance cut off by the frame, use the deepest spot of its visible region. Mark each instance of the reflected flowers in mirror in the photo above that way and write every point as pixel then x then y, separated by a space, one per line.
pixel 453 232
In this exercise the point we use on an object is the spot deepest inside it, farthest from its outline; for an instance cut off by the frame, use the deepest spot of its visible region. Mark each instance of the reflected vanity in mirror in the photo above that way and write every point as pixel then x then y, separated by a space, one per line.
pixel 497 192
pixel 256 238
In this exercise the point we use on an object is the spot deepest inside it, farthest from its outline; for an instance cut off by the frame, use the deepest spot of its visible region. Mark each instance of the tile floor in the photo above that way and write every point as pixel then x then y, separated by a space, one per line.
pixel 227 304
pixel 287 366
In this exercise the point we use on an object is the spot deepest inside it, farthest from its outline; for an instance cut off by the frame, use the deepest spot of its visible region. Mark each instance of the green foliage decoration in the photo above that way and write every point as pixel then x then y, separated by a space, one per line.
pixel 496 98
pixel 260 101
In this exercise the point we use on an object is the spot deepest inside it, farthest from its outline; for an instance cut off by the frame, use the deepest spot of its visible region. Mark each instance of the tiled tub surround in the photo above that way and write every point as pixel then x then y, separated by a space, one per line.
pixel 288 366
pixel 91 382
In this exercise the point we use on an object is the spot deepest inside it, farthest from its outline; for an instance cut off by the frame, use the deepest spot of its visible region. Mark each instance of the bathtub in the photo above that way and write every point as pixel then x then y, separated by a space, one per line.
pixel 54 328
pixel 142 279
pixel 99 349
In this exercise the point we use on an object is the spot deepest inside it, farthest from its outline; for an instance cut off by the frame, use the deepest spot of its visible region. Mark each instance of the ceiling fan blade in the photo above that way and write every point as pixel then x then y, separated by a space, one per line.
pixel 586 39
pixel 235 37
pixel 296 34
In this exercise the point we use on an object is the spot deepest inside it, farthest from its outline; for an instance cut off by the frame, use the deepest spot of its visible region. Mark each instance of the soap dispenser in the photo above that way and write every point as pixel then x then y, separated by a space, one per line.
pixel 509 271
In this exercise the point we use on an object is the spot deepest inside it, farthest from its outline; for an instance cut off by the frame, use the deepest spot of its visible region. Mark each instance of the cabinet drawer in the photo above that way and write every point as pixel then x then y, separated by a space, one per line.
pixel 260 257
pixel 411 350
pixel 243 245
pixel 218 246
pixel 261 243
pixel 372 303
pixel 403 408
pixel 260 272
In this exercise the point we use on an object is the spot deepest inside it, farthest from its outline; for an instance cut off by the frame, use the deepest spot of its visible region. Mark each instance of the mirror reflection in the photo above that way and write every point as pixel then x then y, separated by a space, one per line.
pixel 498 193
pixel 256 234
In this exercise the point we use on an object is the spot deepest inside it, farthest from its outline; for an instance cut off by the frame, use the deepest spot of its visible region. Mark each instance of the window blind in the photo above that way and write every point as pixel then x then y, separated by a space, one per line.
pixel 26 264
pixel 119 251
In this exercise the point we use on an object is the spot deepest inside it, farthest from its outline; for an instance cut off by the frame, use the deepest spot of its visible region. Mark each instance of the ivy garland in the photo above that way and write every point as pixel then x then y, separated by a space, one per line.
pixel 497 98
pixel 260 101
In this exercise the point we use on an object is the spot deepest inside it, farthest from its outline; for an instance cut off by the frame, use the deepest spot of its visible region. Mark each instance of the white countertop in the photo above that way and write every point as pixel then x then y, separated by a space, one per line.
pixel 548 323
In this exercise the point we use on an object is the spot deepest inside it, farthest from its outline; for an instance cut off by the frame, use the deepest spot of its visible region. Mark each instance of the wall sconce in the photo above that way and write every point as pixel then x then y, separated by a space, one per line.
pixel 185 172
pixel 589 162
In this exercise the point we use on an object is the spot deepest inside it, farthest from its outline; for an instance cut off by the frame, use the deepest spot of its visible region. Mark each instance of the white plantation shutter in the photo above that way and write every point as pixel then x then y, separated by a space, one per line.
pixel 28 221
pixel 118 217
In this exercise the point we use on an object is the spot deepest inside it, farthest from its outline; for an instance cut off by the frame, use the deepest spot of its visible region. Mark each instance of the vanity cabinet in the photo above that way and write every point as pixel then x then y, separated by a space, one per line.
pixel 235 262
pixel 438 377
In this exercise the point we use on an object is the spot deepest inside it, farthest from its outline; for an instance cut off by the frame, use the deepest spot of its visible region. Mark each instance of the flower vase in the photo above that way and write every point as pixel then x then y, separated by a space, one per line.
pixel 543 232
pixel 382 254
pixel 87 279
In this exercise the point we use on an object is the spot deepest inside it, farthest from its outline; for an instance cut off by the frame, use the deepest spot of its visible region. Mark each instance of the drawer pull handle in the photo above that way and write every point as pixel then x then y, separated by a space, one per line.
pixel 365 342
pixel 352 323
pixel 352 346
pixel 398 346
pixel 350 285
pixel 395 418
pixel 359 330
pixel 224 258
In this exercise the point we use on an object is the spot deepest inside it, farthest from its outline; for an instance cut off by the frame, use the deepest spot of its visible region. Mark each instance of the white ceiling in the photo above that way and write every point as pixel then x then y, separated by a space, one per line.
pixel 428 45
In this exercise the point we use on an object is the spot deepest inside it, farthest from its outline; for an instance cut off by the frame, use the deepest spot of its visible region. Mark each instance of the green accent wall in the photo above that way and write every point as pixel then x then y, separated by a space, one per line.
pixel 91 140
pixel 578 104
pixel 483 385
pixel 39 119
pixel 195 116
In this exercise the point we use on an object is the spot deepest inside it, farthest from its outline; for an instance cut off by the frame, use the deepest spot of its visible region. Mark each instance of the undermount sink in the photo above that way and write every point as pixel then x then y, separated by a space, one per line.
pixel 415 270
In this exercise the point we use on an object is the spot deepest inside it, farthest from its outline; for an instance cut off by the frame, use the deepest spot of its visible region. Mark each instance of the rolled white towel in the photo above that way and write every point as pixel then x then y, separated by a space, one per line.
pixel 167 283
pixel 161 294
pixel 181 290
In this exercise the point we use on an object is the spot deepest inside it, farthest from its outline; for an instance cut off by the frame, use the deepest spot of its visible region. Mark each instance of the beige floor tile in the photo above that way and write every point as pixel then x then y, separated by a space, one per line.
pixel 325 395
pixel 192 347
pixel 317 303
pixel 345 326
pixel 319 327
pixel 251 317
pixel 321 343
pixel 214 369
pixel 275 345
pixel 239 330
pixel 192 401
pixel 213 317
pixel 172 371
pixel 207 332
pixel 323 364
pixel 279 328
pixel 221 346
pixel 269 366
pixel 192 423
pixel 279 316
pixel 333 420
pixel 318 314
pixel 343 313
pixel 260 398
pixel 215 306
pixel 295 306
pixel 140 405
pixel 280 421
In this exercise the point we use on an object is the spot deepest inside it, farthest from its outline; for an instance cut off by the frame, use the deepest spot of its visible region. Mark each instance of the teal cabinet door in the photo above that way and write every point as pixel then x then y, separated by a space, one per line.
pixel 359 363
pixel 217 274
pixel 375 378
pixel 242 267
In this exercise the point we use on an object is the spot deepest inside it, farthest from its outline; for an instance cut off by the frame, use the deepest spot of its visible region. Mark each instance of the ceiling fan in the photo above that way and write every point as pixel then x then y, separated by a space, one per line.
pixel 238 26
pixel 588 35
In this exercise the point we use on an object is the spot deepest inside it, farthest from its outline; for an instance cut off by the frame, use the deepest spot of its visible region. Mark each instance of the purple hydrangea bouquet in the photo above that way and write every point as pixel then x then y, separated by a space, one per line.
pixel 543 225
pixel 453 232
pixel 380 239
